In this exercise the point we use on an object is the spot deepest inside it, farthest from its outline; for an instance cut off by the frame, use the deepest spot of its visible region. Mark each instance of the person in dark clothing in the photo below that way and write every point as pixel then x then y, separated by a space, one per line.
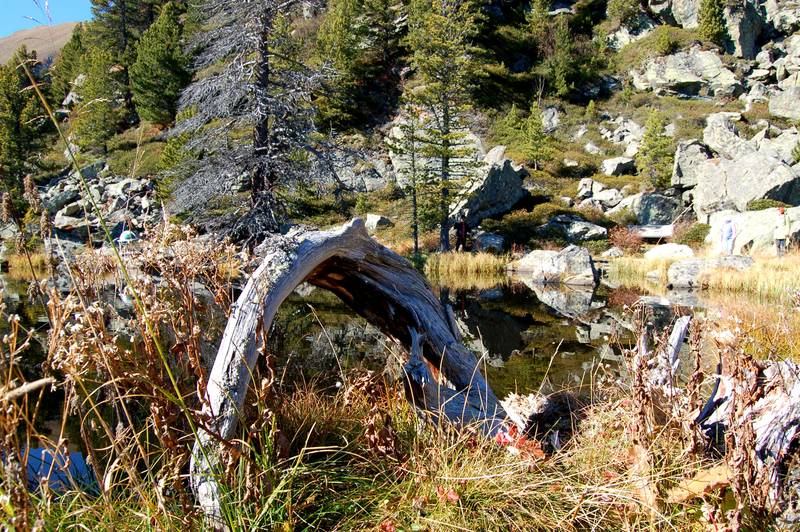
pixel 461 233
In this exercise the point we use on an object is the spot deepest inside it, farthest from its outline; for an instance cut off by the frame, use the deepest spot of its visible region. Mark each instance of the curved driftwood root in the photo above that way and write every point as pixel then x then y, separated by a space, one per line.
pixel 379 285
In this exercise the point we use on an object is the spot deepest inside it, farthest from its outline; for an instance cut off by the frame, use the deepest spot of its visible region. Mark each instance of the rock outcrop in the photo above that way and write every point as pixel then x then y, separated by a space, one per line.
pixel 733 183
pixel 693 72
pixel 688 156
pixel 496 188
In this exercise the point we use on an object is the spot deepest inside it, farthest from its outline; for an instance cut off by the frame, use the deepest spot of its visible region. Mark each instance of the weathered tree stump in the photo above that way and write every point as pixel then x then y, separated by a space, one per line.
pixel 379 285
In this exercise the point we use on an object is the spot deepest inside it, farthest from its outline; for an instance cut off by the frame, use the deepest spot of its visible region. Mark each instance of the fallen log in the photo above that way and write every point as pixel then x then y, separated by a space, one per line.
pixel 379 285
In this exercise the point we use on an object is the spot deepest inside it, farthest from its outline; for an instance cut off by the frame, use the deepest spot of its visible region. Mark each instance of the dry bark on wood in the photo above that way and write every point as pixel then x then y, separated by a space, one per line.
pixel 379 285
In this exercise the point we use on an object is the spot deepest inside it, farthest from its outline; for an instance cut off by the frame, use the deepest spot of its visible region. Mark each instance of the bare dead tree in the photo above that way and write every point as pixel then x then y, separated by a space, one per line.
pixel 256 83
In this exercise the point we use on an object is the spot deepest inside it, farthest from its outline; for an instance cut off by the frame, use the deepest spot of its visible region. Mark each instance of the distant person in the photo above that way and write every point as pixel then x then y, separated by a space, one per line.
pixel 728 236
pixel 461 233
pixel 781 233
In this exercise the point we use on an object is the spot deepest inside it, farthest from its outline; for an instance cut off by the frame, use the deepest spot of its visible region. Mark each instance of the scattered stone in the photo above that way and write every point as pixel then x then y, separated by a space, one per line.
pixel 631 31
pixel 593 149
pixel 608 198
pixel 550 118
pixel 612 253
pixel 60 199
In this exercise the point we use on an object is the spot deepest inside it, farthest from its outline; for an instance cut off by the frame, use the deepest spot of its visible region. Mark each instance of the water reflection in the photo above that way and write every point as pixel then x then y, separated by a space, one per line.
pixel 525 334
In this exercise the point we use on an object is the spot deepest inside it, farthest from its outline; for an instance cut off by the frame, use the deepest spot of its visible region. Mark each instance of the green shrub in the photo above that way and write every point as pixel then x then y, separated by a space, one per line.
pixel 695 236
pixel 136 162
pixel 622 10
pixel 596 247
pixel 766 203
pixel 665 43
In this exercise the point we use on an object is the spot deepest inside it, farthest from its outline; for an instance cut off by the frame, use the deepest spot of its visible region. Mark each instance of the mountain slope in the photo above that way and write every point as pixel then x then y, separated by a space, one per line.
pixel 46 40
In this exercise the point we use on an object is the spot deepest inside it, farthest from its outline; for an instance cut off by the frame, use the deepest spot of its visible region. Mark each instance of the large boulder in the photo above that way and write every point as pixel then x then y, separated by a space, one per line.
pixel 489 242
pixel 670 251
pixel 573 228
pixel 654 209
pixel 550 118
pixel 693 72
pixel 572 265
pixel 618 166
pixel 722 136
pixel 784 103
pixel 55 202
pixel 687 273
pixel 377 221
pixel 685 13
pixel 495 189
pixel 784 15
pixel 688 155
pixel 745 23
pixel 732 184
pixel 755 229
pixel 780 146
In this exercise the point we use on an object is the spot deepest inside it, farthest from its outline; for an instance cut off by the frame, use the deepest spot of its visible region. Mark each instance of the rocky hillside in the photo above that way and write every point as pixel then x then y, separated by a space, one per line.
pixel 45 40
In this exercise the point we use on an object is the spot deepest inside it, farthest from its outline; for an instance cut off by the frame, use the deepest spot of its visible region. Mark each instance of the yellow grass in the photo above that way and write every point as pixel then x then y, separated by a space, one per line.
pixel 19 268
pixel 773 278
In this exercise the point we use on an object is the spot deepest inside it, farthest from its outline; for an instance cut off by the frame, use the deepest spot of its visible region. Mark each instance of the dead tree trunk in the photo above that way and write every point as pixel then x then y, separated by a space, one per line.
pixel 379 285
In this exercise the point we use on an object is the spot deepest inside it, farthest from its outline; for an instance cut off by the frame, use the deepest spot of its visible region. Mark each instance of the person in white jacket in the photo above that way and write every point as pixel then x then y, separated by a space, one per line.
pixel 728 236
pixel 781 233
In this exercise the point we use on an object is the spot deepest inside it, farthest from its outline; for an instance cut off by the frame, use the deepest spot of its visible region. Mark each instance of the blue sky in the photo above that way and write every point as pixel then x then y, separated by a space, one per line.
pixel 13 13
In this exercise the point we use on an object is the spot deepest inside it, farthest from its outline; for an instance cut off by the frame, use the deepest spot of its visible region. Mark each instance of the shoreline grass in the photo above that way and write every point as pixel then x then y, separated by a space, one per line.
pixel 776 279
pixel 19 268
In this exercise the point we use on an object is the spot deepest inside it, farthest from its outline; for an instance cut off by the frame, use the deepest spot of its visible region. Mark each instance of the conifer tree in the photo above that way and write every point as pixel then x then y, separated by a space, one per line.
pixel 160 71
pixel 359 38
pixel 711 22
pixel 22 120
pixel 535 144
pixel 68 64
pixel 656 152
pixel 440 36
pixel 411 145
pixel 97 117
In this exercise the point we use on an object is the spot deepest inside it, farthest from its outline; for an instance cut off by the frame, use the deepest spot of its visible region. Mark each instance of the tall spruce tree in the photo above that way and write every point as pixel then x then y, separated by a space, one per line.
pixel 656 152
pixel 22 120
pixel 97 117
pixel 68 64
pixel 440 36
pixel 711 21
pixel 160 71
